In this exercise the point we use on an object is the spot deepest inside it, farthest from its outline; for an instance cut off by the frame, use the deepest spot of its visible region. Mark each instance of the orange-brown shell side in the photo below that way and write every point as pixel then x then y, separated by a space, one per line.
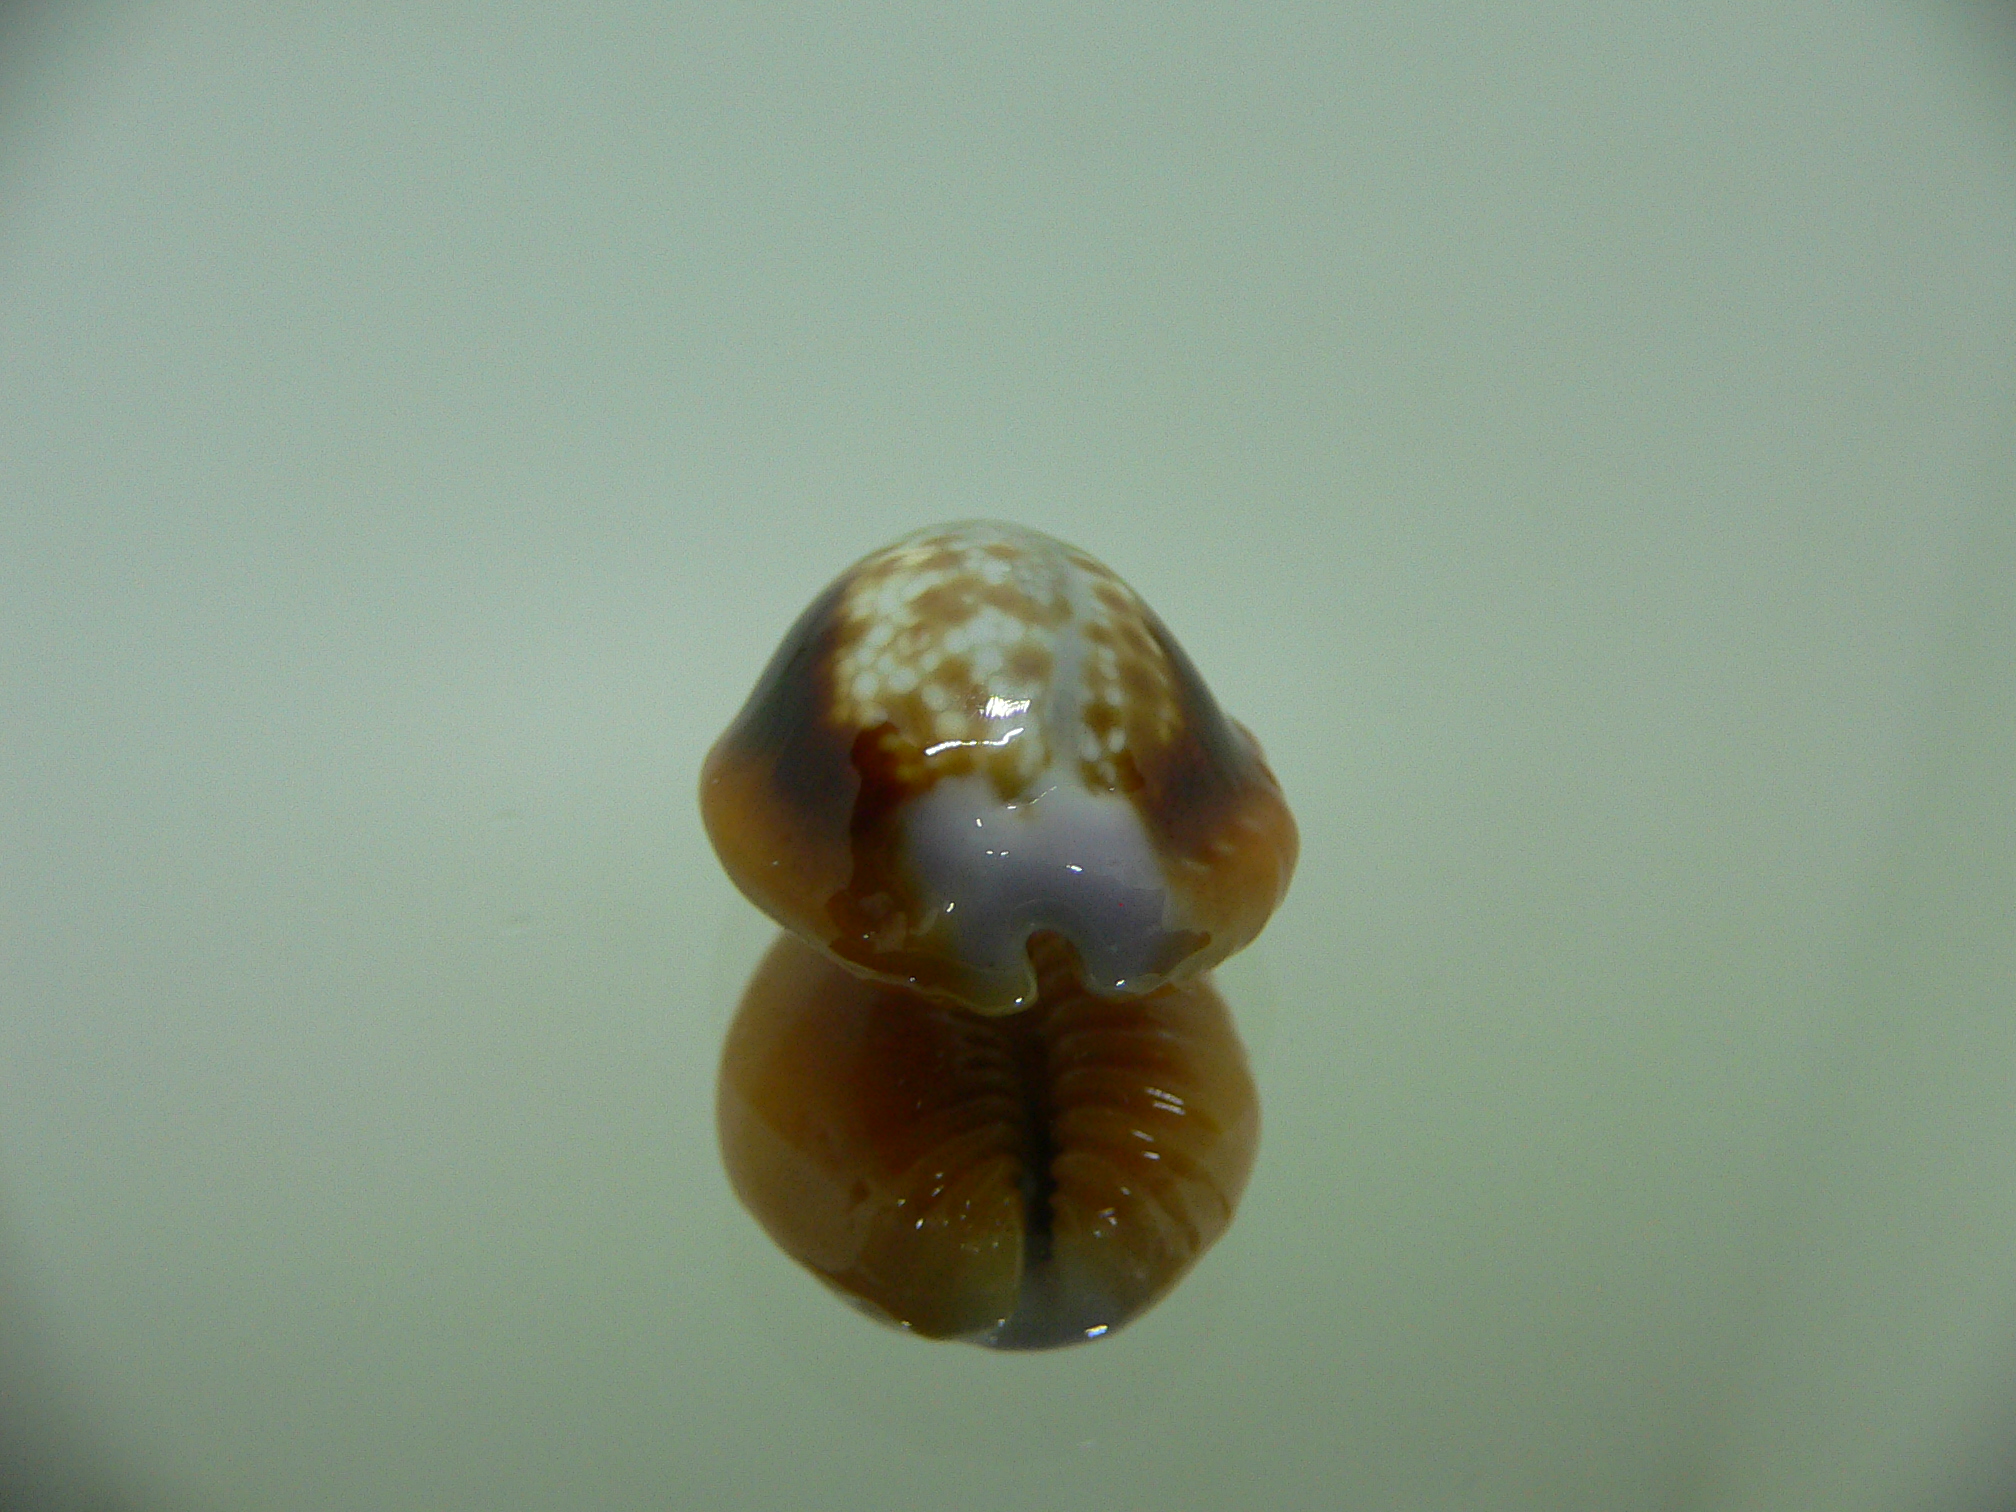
pixel 1228 841
pixel 778 790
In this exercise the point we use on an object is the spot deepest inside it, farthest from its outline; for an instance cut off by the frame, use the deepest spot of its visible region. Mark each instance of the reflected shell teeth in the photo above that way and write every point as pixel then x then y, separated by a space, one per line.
pixel 1020 1182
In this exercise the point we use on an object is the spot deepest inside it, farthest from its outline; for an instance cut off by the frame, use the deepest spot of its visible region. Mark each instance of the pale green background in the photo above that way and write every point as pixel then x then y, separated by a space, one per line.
pixel 1575 438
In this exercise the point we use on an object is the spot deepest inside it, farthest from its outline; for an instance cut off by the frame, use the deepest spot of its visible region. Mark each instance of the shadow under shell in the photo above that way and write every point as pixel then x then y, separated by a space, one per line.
pixel 1020 1182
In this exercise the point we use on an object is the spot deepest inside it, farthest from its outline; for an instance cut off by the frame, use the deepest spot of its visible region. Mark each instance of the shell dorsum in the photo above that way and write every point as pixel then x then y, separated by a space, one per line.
pixel 979 734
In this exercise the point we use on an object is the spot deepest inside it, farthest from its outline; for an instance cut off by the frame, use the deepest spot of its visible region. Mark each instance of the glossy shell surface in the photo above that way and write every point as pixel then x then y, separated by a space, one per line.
pixel 980 734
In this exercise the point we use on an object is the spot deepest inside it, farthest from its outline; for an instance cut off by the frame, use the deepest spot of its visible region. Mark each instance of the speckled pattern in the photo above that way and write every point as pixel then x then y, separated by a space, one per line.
pixel 978 735
pixel 987 647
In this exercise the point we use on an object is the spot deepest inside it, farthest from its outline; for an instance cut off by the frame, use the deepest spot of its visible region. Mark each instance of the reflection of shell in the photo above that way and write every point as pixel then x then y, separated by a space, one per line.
pixel 1021 1181
pixel 979 734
